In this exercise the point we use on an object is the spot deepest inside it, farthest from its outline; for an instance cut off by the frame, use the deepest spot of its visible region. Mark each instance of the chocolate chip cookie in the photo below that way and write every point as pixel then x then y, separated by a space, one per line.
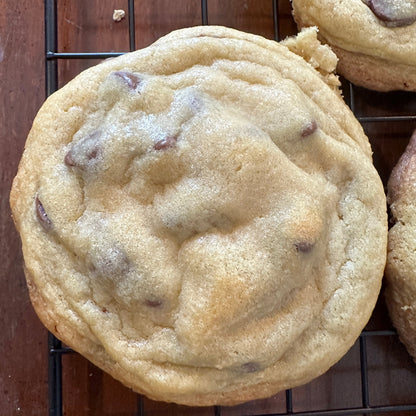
pixel 401 258
pixel 373 39
pixel 202 218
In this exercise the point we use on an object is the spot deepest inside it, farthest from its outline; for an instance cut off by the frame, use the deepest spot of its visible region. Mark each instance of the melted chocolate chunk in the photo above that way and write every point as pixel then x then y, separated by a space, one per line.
pixel 166 143
pixel 92 154
pixel 309 128
pixel 393 13
pixel 83 151
pixel 130 79
pixel 42 216
pixel 153 303
pixel 69 161
pixel 304 246
pixel 250 367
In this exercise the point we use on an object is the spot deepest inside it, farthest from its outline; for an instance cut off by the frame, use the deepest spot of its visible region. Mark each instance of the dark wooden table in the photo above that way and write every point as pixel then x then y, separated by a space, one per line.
pixel 87 26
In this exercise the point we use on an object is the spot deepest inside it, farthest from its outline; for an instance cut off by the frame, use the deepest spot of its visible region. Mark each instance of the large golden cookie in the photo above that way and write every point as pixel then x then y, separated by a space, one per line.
pixel 375 40
pixel 202 218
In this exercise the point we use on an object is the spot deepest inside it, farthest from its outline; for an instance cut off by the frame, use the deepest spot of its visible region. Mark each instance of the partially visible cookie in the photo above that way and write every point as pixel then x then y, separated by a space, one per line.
pixel 373 39
pixel 202 218
pixel 401 259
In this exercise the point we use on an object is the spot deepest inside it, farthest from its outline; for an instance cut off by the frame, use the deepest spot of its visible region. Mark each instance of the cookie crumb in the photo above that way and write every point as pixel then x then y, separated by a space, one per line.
pixel 119 15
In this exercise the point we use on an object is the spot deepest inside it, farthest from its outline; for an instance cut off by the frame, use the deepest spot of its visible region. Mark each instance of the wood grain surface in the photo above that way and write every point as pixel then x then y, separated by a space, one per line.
pixel 87 26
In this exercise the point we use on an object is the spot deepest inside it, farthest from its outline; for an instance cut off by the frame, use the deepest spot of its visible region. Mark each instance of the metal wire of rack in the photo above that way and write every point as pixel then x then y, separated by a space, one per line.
pixel 55 348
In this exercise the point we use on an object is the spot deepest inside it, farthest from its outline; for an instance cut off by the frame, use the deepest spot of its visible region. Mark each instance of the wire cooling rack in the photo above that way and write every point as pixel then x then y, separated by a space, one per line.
pixel 55 348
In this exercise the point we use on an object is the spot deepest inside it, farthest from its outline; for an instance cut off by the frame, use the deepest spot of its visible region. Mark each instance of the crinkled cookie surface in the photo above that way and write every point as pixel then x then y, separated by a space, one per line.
pixel 202 218
pixel 401 257
pixel 374 39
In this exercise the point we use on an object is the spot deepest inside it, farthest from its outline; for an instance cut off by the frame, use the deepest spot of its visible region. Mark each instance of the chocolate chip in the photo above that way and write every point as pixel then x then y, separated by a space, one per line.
pixel 250 367
pixel 166 143
pixel 304 246
pixel 153 303
pixel 83 151
pixel 69 161
pixel 92 154
pixel 43 218
pixel 130 79
pixel 393 12
pixel 309 128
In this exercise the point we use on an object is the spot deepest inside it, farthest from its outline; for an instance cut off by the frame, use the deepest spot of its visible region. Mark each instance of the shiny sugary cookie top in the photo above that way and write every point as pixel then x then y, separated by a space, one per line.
pixel 204 211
